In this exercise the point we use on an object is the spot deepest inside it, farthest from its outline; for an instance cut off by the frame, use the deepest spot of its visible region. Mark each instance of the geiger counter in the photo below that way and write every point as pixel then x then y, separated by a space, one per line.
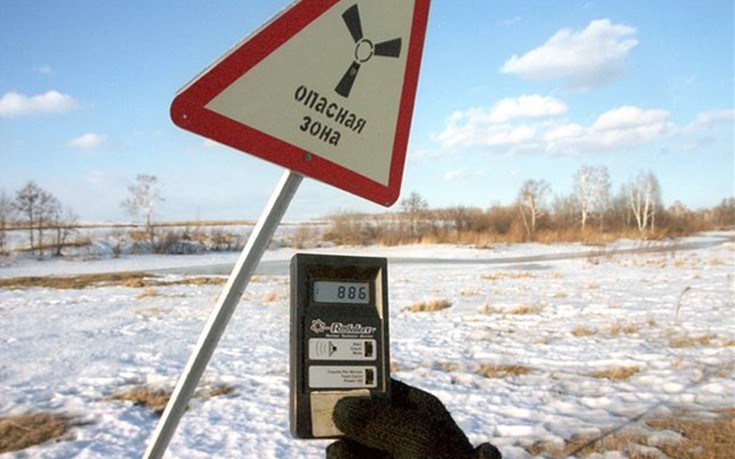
pixel 339 337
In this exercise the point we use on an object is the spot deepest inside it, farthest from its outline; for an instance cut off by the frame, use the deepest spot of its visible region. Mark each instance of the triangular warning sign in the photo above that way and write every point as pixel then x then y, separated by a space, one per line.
pixel 325 89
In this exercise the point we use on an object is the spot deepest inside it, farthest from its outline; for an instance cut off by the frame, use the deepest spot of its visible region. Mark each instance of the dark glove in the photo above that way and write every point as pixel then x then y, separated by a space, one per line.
pixel 414 424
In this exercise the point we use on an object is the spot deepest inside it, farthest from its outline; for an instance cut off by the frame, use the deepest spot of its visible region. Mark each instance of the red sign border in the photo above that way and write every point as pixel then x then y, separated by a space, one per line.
pixel 188 107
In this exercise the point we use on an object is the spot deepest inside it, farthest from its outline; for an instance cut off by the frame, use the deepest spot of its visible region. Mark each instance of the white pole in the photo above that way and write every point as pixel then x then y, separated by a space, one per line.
pixel 222 312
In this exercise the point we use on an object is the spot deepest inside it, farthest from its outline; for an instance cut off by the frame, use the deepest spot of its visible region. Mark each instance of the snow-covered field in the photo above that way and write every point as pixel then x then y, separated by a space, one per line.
pixel 664 321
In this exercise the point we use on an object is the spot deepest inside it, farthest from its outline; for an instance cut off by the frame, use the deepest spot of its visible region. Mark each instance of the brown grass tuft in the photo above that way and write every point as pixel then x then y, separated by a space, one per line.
pixel 449 367
pixel 683 341
pixel 583 331
pixel 270 297
pixel 526 309
pixel 502 275
pixel 499 370
pixel 155 399
pixel 75 282
pixel 618 329
pixel 700 439
pixel 488 309
pixel 149 292
pixel 429 306
pixel 22 431
pixel 616 374
pixel 131 280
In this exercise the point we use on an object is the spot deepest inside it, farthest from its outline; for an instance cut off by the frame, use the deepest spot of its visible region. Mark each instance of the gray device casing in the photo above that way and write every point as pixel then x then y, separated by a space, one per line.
pixel 336 350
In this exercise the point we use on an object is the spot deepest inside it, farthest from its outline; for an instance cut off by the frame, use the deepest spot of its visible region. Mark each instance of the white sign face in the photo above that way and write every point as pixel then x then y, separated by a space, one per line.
pixel 325 89
pixel 334 88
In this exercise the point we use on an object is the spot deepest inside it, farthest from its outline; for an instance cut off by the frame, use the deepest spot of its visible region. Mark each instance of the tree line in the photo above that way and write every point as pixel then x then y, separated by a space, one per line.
pixel 49 224
pixel 590 213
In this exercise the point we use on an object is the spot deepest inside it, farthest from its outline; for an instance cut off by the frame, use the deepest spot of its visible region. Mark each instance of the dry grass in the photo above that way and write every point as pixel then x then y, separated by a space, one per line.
pixel 526 309
pixel 682 341
pixel 25 430
pixel 624 328
pixel 586 445
pixel 583 331
pixel 149 292
pixel 76 282
pixel 500 370
pixel 130 279
pixel 502 275
pixel 155 399
pixel 488 309
pixel 616 374
pixel 449 367
pixel 708 439
pixel 429 305
pixel 270 297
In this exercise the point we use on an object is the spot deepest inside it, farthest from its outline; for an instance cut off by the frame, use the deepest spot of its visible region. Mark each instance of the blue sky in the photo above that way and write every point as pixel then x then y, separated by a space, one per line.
pixel 508 91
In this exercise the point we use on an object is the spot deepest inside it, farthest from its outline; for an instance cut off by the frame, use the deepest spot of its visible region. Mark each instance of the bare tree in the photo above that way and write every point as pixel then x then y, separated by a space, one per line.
pixel 145 195
pixel 644 199
pixel 26 204
pixel 465 218
pixel 413 207
pixel 592 192
pixel 48 208
pixel 37 206
pixel 531 202
pixel 64 222
pixel 6 214
pixel 564 210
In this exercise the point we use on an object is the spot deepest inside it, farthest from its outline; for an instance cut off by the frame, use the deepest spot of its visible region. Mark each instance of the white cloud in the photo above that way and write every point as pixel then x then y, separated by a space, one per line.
pixel 586 59
pixel 706 121
pixel 13 104
pixel 472 134
pixel 622 128
pixel 526 106
pixel 493 128
pixel 507 128
pixel 46 69
pixel 88 141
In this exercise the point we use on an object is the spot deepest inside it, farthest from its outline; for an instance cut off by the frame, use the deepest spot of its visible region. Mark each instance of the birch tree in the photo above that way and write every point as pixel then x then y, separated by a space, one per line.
pixel 530 202
pixel 592 192
pixel 145 195
pixel 644 199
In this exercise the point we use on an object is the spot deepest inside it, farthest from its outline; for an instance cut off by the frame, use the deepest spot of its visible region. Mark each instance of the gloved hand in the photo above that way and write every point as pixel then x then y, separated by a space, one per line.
pixel 415 424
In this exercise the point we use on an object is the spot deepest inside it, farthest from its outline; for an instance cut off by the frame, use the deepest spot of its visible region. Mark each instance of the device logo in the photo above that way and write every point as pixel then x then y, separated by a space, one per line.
pixel 338 328
pixel 317 326
pixel 364 50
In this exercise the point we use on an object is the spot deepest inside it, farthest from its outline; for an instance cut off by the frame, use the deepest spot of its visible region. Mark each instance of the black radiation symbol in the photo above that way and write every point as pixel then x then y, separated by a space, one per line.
pixel 364 50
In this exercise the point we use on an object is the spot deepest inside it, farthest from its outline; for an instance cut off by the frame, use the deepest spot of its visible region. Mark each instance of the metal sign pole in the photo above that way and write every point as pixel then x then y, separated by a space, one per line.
pixel 222 312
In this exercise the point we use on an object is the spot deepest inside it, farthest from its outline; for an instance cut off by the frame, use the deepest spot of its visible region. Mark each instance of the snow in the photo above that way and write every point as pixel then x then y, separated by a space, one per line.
pixel 667 314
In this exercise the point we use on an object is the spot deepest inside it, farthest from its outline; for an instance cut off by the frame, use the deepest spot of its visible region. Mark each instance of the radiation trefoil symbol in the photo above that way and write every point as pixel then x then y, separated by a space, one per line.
pixel 364 50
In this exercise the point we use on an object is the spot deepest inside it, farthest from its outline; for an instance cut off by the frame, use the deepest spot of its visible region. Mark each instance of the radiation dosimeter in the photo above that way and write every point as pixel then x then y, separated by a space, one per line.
pixel 339 337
